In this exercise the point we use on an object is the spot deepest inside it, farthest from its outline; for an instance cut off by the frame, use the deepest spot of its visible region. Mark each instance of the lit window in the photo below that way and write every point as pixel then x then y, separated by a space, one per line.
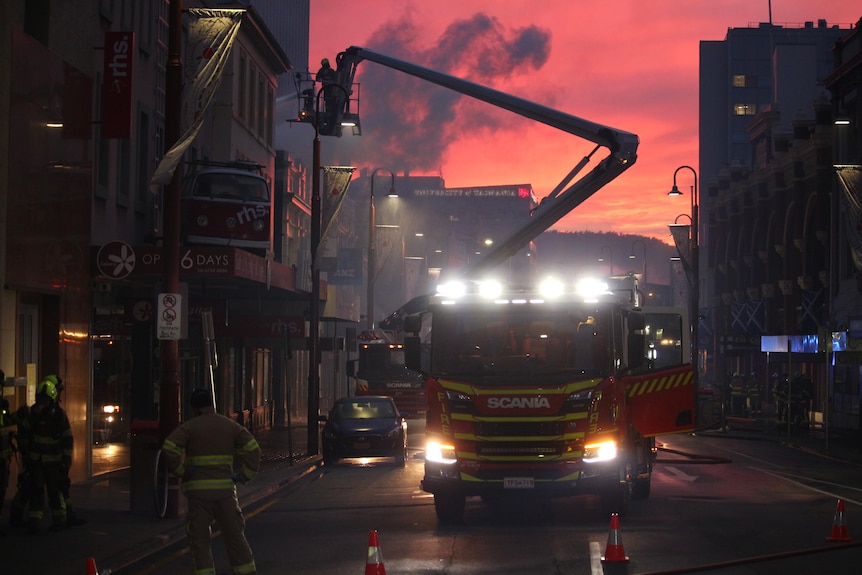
pixel 744 109
pixel 739 81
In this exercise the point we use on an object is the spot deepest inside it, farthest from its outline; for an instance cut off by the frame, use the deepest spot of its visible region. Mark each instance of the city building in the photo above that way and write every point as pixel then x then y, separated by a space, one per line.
pixel 83 233
pixel 774 261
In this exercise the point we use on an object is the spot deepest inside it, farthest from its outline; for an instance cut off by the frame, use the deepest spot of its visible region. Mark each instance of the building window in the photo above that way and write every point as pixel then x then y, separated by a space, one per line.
pixel 143 160
pixel 744 109
pixel 261 106
pixel 124 172
pixel 241 96
pixel 270 103
pixel 739 81
pixel 252 82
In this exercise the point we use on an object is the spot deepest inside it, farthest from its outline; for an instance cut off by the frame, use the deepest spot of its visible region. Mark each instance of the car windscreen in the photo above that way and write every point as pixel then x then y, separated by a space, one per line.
pixel 363 409
pixel 506 345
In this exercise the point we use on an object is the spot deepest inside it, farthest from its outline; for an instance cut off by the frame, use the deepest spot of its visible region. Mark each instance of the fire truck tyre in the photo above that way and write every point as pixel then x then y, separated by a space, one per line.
pixel 642 487
pixel 643 479
pixel 449 508
pixel 618 494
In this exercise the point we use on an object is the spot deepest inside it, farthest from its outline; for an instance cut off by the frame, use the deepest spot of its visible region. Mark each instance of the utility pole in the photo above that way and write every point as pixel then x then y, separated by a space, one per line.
pixel 169 383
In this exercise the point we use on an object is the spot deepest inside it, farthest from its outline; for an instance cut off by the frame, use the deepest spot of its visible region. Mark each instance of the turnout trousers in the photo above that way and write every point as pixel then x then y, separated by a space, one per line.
pixel 47 478
pixel 224 509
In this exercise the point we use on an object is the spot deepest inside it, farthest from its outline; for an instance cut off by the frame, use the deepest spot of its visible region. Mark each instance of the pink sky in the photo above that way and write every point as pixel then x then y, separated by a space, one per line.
pixel 629 64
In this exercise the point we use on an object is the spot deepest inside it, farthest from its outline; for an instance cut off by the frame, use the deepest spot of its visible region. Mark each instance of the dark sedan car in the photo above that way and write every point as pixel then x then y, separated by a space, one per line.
pixel 369 426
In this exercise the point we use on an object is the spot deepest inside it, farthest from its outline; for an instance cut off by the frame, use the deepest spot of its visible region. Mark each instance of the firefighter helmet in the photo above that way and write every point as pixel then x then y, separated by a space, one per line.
pixel 50 387
pixel 201 398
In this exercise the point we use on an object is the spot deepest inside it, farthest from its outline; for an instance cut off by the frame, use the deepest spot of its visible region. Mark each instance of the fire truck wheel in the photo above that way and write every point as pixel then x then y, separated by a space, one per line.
pixel 449 508
pixel 618 494
pixel 643 479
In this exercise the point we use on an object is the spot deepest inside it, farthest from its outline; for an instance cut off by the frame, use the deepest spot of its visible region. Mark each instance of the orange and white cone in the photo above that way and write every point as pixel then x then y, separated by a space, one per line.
pixel 614 552
pixel 91 567
pixel 374 563
pixel 839 525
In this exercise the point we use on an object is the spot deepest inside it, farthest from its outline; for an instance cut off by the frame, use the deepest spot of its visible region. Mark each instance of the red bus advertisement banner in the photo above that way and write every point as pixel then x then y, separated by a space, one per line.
pixel 117 87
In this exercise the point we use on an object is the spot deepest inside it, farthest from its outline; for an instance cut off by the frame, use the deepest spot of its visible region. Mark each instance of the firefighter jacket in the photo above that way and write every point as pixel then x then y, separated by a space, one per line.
pixel 50 440
pixel 211 453
pixel 6 423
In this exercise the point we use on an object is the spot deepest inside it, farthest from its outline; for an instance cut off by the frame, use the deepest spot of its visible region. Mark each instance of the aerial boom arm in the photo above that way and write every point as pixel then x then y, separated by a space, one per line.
pixel 621 146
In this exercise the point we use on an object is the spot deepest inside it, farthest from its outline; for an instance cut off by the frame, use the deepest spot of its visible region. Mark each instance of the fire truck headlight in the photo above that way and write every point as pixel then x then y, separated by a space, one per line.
pixel 440 453
pixel 258 225
pixel 602 451
pixel 203 221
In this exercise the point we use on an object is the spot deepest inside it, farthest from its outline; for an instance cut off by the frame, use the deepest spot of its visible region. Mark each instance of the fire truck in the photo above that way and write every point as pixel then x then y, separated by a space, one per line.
pixel 545 390
pixel 554 390
pixel 380 370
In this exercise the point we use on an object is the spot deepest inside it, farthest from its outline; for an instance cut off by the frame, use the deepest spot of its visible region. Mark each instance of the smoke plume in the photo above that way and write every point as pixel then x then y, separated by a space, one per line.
pixel 407 123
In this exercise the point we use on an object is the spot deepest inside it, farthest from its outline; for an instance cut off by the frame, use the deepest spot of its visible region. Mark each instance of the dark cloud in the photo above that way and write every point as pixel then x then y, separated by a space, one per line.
pixel 408 123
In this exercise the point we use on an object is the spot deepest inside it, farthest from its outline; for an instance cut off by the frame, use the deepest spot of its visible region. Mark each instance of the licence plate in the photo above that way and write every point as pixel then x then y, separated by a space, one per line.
pixel 518 483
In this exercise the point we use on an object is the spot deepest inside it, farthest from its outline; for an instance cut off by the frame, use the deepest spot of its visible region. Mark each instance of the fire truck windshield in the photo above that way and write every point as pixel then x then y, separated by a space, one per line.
pixel 503 345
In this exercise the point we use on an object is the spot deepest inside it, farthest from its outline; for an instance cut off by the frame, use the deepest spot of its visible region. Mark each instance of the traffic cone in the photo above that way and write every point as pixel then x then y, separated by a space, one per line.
pixel 374 563
pixel 614 552
pixel 91 567
pixel 839 525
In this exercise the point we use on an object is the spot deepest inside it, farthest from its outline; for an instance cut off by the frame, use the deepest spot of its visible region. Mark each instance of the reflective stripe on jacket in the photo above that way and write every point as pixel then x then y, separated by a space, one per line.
pixel 51 440
pixel 211 453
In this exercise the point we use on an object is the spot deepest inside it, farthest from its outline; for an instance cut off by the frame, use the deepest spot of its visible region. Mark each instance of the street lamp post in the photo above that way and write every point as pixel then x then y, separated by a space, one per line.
pixel 610 258
pixel 372 247
pixel 633 256
pixel 694 282
pixel 314 297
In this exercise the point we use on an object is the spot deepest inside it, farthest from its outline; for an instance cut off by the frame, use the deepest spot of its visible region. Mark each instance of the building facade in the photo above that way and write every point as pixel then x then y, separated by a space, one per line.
pixel 83 234
pixel 776 274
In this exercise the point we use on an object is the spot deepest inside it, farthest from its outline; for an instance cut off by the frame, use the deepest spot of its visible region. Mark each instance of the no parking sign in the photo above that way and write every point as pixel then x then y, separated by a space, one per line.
pixel 169 315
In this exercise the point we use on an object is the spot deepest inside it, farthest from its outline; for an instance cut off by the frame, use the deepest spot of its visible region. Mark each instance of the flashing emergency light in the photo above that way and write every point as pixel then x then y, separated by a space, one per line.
pixel 490 289
pixel 452 289
pixel 590 289
pixel 551 288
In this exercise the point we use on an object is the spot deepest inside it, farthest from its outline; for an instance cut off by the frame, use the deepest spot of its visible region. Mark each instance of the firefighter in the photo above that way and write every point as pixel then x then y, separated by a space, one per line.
pixel 24 484
pixel 326 76
pixel 211 453
pixel 752 393
pixel 50 455
pixel 737 394
pixel 6 424
pixel 779 392
pixel 800 399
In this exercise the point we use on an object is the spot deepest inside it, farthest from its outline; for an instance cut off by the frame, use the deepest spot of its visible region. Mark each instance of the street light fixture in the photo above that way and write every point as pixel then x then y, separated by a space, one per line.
pixel 692 269
pixel 610 258
pixel 372 247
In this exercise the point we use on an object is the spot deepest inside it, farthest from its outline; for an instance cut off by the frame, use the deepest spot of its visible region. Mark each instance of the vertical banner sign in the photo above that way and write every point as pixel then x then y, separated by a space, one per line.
pixel 117 87
pixel 211 34
pixel 336 180
pixel 169 316
pixel 851 209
